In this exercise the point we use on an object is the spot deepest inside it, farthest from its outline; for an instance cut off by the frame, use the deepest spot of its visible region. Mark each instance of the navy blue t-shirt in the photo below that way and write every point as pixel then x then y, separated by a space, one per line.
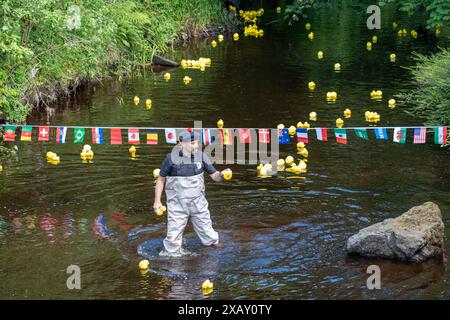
pixel 196 164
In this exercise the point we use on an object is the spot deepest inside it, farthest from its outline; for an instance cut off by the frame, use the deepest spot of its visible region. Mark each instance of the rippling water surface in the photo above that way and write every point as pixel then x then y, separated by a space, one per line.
pixel 284 237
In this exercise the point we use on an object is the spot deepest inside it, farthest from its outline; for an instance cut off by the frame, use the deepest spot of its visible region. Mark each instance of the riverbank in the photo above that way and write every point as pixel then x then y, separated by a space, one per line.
pixel 49 50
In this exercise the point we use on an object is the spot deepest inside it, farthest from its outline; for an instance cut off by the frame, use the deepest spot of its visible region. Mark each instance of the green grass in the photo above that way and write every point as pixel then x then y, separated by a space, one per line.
pixel 42 56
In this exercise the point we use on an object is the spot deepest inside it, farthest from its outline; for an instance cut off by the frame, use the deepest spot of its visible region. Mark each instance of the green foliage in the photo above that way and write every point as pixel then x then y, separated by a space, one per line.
pixel 45 44
pixel 431 97
pixel 438 11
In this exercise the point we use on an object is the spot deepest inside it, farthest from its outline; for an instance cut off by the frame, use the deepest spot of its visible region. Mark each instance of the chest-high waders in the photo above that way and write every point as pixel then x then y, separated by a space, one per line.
pixel 186 197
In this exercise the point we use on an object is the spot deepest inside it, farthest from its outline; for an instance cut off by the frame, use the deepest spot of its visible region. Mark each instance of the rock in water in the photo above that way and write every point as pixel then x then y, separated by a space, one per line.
pixel 415 236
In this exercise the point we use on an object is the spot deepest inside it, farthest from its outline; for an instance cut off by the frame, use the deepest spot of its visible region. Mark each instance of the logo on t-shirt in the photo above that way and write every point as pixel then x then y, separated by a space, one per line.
pixel 199 165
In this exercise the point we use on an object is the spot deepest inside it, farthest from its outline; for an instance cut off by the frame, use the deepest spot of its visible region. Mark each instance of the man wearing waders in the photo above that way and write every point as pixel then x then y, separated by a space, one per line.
pixel 182 174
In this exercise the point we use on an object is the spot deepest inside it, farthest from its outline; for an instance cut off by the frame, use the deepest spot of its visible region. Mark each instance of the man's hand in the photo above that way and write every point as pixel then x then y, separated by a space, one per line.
pixel 157 205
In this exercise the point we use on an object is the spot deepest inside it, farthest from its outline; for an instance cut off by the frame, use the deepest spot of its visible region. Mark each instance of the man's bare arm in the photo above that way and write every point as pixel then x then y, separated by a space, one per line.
pixel 158 192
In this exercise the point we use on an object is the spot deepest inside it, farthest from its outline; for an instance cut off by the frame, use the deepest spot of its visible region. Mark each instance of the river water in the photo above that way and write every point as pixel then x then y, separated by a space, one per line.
pixel 284 237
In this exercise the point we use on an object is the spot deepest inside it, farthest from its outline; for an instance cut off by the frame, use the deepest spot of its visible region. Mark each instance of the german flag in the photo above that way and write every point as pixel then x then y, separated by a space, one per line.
pixel 152 137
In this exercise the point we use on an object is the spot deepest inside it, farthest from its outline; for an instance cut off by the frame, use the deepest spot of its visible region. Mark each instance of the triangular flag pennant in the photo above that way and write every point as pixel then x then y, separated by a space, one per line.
pixel 61 134
pixel 97 136
pixel 302 135
pixel 440 135
pixel 420 135
pixel 227 136
pixel 283 136
pixel 361 133
pixel 171 136
pixel 341 135
pixel 116 135
pixel 381 134
pixel 44 133
pixel 26 133
pixel 244 136
pixel 78 135
pixel 264 135
pixel 399 135
pixel 10 133
pixel 133 136
pixel 321 134
pixel 152 137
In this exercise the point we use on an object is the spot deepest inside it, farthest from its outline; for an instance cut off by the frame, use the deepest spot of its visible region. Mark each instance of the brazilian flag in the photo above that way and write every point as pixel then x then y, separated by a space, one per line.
pixel 78 134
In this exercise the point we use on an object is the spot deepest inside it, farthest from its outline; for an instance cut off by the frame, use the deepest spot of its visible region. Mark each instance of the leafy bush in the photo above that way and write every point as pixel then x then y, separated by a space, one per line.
pixel 431 97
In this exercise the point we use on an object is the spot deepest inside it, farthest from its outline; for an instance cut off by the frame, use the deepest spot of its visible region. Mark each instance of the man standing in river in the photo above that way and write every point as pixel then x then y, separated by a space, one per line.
pixel 182 175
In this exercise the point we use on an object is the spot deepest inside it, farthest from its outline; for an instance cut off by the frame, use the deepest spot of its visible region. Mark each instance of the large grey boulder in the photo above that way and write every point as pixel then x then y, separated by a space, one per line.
pixel 415 236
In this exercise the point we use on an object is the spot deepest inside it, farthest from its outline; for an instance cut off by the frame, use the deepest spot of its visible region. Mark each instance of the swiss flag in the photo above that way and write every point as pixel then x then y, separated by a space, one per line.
pixel 244 136
pixel 44 133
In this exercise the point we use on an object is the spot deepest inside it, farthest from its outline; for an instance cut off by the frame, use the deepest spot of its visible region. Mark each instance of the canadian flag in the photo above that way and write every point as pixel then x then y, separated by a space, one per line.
pixel 133 136
pixel 44 133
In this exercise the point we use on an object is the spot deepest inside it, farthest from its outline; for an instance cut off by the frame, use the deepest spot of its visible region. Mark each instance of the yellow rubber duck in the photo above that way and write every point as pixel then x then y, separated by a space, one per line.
pixel 228 174
pixel 207 287
pixel 278 9
pixel 220 38
pixel 300 145
pixel 404 32
pixel 280 126
pixel 143 264
pixel 166 76
pixel 280 165
pixel 306 125
pixel 311 35
pixel 337 66
pixel 391 103
pixel 394 25
pixel 160 211
pixel 414 34
pixel 308 26
pixel 320 55
pixel 292 130
pixel 313 116
pixel 311 85
pixel 376 94
pixel 399 33
pixel 369 46
pixel 156 173
pixel 148 103
pixel 220 124
pixel 392 57
pixel 186 80
pixel 1 168
pixel 136 100
pixel 347 113
pixel 374 39
pixel 132 151
pixel 303 152
pixel 289 160
pixel 372 116
pixel 236 36
pixel 331 96
pixel 339 123
pixel 299 124
pixel 213 43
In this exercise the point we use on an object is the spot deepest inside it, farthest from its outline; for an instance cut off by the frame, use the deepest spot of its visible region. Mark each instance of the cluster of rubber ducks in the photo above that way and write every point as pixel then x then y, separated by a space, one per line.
pixel 251 15
pixel 87 153
pixel 148 102
pixel 372 116
pixel 294 167
pixel 199 64
pixel 52 158
pixel 331 96
pixel 252 30
pixel 376 94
